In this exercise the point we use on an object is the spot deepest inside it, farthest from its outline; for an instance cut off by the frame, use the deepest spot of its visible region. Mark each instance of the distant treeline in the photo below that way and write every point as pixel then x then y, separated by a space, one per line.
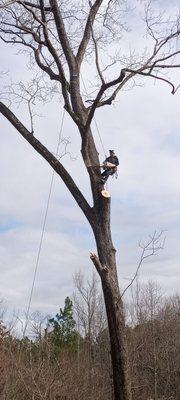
pixel 69 358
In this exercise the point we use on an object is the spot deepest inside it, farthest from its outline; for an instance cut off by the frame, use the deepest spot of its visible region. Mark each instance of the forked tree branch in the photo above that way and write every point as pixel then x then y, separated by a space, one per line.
pixel 97 100
pixel 37 51
pixel 56 58
pixel 45 68
pixel 149 249
pixel 152 73
pixel 87 31
pixel 31 11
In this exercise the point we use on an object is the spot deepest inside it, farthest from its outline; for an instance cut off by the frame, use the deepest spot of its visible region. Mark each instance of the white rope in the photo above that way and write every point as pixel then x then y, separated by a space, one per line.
pixel 43 231
pixel 95 121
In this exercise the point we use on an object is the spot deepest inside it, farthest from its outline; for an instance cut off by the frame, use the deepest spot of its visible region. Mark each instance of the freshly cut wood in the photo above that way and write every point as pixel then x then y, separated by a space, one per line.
pixel 105 193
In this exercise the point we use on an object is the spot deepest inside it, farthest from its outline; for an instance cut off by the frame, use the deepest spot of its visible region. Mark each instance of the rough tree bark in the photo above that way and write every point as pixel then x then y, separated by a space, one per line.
pixel 34 32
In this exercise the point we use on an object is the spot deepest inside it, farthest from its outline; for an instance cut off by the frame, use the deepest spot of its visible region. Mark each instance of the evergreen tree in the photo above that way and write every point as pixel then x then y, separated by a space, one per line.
pixel 64 334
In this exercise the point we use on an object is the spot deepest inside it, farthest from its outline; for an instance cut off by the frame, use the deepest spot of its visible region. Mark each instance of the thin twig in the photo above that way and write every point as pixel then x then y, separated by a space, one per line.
pixel 149 249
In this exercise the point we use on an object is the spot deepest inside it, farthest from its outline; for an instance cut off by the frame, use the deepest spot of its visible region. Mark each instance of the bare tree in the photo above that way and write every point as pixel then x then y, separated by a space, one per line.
pixel 153 345
pixel 88 306
pixel 60 36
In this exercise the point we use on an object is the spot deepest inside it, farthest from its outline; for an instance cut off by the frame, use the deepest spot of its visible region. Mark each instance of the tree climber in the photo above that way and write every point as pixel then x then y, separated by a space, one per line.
pixel 110 166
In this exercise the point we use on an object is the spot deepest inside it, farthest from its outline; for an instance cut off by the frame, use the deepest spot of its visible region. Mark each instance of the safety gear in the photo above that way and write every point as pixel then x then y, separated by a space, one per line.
pixel 110 166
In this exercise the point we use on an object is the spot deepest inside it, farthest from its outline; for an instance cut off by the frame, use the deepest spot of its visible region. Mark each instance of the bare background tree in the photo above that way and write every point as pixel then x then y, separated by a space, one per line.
pixel 89 306
pixel 60 37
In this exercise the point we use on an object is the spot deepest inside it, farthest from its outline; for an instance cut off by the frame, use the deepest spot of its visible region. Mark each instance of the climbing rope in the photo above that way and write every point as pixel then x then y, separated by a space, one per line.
pixel 95 121
pixel 100 138
pixel 43 231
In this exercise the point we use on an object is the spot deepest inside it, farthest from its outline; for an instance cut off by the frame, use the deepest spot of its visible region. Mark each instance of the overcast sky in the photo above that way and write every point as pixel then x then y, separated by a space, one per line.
pixel 144 129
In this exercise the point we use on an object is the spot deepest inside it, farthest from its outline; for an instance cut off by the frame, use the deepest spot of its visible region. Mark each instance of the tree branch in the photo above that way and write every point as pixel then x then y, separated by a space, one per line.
pixel 173 90
pixel 55 56
pixel 141 72
pixel 87 32
pixel 28 3
pixel 51 159
pixel 97 57
pixel 103 88
pixel 76 99
pixel 149 249
pixel 31 11
pixel 63 35
pixel 45 68
pixel 96 263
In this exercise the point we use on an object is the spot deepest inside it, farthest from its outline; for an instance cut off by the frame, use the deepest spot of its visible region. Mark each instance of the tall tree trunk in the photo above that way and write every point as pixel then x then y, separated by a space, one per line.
pixel 115 317
pixel 105 264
